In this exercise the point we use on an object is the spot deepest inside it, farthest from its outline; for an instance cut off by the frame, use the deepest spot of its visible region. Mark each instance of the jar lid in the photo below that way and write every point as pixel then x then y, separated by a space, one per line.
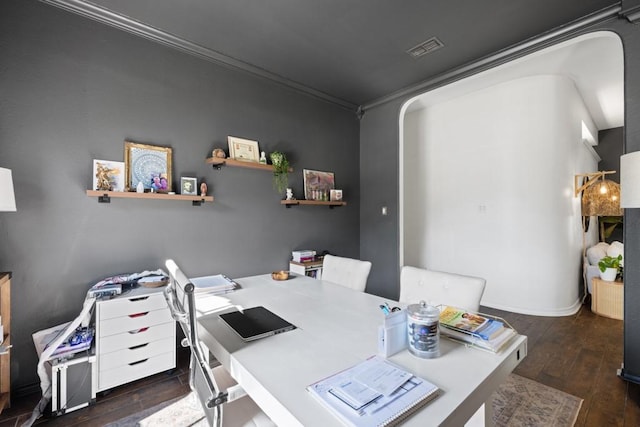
pixel 422 310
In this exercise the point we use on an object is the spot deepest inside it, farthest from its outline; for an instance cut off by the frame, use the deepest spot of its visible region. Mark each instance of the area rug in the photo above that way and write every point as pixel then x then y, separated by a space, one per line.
pixel 519 402
pixel 180 412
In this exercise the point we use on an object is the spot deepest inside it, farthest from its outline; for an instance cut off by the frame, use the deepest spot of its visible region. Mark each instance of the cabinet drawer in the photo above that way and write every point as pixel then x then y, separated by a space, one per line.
pixel 135 370
pixel 127 306
pixel 136 337
pixel 135 353
pixel 134 322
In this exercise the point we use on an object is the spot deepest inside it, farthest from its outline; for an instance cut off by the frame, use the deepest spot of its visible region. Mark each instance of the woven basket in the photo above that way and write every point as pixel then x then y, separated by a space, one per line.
pixel 608 299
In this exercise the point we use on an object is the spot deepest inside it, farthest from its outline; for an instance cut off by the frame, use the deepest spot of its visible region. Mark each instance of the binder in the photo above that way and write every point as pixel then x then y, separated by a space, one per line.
pixel 373 404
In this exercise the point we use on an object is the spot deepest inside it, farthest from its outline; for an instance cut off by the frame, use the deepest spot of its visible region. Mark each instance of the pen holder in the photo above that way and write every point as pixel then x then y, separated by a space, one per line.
pixel 392 334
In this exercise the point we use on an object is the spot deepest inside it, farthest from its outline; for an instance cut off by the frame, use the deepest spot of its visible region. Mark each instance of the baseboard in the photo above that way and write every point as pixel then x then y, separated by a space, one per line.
pixel 566 311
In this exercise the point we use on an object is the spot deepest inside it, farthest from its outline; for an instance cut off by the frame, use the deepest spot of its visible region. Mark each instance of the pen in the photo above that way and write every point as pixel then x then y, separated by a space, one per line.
pixel 388 308
pixel 385 309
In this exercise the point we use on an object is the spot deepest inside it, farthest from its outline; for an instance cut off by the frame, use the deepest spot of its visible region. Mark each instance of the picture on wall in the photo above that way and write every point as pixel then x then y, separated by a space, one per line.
pixel 149 164
pixel 108 175
pixel 188 185
pixel 243 149
pixel 317 184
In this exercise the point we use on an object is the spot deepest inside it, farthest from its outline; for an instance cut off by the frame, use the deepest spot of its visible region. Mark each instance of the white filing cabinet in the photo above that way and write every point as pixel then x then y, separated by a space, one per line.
pixel 135 337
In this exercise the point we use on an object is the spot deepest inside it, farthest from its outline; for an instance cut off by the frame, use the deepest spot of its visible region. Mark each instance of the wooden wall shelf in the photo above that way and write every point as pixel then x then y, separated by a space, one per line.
pixel 289 203
pixel 218 162
pixel 105 196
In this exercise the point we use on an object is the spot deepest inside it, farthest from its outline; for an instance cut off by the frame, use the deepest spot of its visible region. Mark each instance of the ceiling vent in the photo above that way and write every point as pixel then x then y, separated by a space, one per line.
pixel 425 47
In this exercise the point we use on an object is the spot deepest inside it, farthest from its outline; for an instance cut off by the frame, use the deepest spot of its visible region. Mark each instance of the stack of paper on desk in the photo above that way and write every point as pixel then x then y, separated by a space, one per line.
pixel 373 393
pixel 218 284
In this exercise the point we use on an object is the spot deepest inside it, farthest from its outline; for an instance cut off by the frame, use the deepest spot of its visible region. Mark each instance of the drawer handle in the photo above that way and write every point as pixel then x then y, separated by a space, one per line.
pixel 138 362
pixel 138 314
pixel 137 331
pixel 135 347
pixel 138 299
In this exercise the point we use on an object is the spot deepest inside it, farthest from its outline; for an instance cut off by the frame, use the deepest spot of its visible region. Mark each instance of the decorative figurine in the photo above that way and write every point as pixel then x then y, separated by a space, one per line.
pixel 263 158
pixel 203 189
pixel 219 152
pixel 290 194
pixel 140 187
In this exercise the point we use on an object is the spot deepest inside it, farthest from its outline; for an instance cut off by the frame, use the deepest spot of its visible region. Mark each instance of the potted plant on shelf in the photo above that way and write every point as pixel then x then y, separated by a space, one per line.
pixel 280 171
pixel 610 267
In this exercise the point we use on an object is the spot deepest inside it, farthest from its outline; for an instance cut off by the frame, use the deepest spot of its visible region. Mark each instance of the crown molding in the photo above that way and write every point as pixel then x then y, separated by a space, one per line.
pixel 130 25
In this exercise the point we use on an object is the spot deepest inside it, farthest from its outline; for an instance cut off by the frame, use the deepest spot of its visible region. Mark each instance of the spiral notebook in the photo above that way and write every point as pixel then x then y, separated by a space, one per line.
pixel 374 392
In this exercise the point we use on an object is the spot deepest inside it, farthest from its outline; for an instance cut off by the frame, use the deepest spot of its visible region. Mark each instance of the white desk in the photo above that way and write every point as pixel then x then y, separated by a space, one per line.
pixel 337 328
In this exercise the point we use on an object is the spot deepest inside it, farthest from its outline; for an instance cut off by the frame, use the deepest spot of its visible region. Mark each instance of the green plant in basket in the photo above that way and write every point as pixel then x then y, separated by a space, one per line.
pixel 280 171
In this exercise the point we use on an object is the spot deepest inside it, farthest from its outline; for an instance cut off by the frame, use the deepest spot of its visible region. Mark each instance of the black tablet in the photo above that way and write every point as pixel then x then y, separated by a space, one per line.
pixel 255 323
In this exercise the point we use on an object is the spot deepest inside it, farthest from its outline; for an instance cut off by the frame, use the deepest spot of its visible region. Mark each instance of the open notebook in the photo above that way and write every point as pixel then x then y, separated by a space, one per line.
pixel 255 323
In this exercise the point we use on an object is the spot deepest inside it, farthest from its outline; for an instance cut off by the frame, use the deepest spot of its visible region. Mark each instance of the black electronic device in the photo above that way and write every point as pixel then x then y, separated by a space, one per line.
pixel 255 323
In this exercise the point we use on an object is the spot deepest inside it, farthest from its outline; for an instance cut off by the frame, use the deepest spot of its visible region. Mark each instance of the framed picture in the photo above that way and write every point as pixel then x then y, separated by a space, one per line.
pixel 335 195
pixel 188 185
pixel 317 184
pixel 148 164
pixel 243 149
pixel 108 175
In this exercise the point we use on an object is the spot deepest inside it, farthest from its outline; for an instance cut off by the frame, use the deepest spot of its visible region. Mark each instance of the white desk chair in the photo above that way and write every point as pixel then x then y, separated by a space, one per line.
pixel 437 288
pixel 348 272
pixel 224 402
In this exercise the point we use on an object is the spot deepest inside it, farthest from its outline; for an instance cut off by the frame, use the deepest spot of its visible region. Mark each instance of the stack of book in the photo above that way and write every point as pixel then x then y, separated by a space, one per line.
pixel 480 330
pixel 303 255
pixel 217 284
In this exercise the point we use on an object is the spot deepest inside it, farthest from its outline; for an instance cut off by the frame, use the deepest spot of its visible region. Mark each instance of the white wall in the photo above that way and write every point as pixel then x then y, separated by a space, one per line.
pixel 488 191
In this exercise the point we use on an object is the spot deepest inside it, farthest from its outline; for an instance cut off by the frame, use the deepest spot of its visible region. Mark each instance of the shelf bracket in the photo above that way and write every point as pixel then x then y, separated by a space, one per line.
pixel 218 166
pixel 197 202
pixel 104 199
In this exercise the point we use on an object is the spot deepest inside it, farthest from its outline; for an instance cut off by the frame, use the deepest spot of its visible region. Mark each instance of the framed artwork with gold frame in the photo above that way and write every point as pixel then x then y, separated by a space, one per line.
pixel 149 164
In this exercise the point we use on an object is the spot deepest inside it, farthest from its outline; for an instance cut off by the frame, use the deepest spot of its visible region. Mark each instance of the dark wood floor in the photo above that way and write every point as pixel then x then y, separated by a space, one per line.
pixel 577 354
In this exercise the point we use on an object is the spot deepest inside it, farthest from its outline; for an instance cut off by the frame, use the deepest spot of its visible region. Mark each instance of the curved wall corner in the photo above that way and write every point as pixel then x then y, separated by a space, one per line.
pixel 486 167
pixel 488 184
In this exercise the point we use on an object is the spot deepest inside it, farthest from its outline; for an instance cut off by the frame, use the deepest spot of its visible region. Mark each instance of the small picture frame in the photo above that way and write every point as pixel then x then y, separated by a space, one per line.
pixel 188 186
pixel 317 184
pixel 148 164
pixel 335 195
pixel 245 150
pixel 108 175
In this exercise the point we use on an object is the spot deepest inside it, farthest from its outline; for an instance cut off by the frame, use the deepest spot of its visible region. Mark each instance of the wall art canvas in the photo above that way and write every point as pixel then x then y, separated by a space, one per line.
pixel 317 184
pixel 149 164
pixel 108 175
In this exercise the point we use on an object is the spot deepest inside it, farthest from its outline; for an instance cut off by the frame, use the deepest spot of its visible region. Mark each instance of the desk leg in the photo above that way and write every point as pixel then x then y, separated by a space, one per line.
pixel 483 416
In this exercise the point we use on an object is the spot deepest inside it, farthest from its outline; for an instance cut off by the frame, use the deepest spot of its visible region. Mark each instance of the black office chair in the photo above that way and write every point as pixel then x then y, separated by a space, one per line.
pixel 224 401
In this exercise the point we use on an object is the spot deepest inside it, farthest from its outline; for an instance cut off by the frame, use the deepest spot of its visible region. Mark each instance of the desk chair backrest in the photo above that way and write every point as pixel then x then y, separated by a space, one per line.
pixel 348 272
pixel 180 297
pixel 214 387
pixel 436 287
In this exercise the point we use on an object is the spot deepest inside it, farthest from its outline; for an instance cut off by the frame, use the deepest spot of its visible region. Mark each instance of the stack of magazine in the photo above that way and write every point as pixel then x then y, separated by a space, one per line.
pixel 217 284
pixel 480 330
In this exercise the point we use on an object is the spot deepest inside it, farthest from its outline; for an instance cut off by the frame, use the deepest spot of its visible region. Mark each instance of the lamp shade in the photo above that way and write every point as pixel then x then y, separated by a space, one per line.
pixel 630 180
pixel 601 198
pixel 7 198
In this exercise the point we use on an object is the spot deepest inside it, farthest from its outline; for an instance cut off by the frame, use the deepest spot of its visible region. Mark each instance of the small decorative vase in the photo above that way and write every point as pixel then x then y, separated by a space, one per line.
pixel 609 275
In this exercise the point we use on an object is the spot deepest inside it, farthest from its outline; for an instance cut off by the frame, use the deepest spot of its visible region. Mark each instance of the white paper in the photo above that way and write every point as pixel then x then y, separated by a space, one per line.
pixel 383 378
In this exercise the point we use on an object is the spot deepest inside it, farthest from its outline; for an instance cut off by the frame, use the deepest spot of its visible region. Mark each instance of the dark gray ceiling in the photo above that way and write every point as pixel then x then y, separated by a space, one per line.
pixel 352 50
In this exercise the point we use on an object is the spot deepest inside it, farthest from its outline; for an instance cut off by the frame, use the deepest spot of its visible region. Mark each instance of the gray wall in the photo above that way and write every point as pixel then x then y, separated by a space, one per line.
pixel 72 90
pixel 379 184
